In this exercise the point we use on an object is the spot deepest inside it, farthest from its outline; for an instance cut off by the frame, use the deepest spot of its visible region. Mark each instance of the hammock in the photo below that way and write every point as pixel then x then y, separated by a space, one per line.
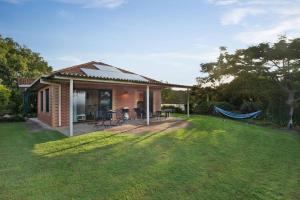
pixel 236 115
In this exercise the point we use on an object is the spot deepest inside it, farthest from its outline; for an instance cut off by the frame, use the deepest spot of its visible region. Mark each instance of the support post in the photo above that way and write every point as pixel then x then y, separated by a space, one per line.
pixel 188 103
pixel 148 106
pixel 59 105
pixel 71 108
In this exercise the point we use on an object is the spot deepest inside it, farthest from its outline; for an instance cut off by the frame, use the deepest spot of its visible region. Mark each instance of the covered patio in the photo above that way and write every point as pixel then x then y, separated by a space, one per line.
pixel 94 96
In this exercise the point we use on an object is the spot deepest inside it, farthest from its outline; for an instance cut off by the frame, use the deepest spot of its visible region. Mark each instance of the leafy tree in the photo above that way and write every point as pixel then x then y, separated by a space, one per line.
pixel 18 61
pixel 4 97
pixel 277 65
pixel 170 96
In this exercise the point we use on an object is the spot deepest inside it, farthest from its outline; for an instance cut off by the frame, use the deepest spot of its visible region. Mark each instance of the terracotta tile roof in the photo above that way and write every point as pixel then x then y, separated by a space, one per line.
pixel 76 69
pixel 25 81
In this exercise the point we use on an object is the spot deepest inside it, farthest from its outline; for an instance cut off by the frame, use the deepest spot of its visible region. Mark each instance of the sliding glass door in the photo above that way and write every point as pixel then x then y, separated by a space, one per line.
pixel 79 99
pixel 87 104
pixel 105 103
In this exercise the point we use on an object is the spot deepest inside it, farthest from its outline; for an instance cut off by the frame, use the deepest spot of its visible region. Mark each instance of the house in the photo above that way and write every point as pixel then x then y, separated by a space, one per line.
pixel 88 91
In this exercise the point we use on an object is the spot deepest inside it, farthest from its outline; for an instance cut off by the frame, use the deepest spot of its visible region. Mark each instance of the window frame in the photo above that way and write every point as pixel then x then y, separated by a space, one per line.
pixel 47 100
pixel 42 101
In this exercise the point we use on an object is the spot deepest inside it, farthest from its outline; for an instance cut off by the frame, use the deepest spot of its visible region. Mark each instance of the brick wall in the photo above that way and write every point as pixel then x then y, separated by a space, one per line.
pixel 156 100
pixel 44 116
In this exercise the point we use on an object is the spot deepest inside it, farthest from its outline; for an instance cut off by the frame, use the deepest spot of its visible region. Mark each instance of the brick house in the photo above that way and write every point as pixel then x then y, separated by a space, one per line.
pixel 87 91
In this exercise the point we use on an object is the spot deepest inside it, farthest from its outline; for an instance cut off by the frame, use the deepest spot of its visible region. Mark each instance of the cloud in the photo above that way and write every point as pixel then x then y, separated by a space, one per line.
pixel 110 4
pixel 289 11
pixel 269 19
pixel 289 27
pixel 95 3
pixel 14 1
pixel 223 2
pixel 235 16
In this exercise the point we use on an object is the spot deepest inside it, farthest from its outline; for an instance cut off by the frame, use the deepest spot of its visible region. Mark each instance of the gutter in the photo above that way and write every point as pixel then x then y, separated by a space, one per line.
pixel 119 82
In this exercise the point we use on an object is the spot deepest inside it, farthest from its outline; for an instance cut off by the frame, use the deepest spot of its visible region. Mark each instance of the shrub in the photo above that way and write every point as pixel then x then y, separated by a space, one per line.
pixel 204 108
pixel 4 98
pixel 16 102
pixel 208 107
pixel 225 105
pixel 249 106
pixel 173 108
pixel 12 118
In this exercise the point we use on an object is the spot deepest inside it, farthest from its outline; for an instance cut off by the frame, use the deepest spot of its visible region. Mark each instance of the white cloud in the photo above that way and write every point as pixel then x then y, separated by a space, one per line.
pixel 235 16
pixel 84 3
pixel 14 1
pixel 224 2
pixel 95 3
pixel 289 27
pixel 252 2
pixel 289 11
pixel 269 19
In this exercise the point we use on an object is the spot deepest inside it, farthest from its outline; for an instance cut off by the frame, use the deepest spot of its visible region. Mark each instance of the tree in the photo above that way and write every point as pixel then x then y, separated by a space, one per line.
pixel 18 61
pixel 4 97
pixel 170 96
pixel 277 63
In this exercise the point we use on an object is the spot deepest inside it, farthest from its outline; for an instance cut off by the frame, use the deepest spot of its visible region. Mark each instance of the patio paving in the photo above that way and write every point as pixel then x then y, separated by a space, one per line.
pixel 130 127
pixel 34 125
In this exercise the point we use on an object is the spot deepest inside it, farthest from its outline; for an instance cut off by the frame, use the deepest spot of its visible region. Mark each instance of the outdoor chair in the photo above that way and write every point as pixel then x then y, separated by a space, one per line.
pixel 139 113
pixel 158 115
pixel 119 117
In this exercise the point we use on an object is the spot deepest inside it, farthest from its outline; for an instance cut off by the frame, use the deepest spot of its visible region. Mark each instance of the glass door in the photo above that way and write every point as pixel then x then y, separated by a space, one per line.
pixel 150 102
pixel 79 99
pixel 105 103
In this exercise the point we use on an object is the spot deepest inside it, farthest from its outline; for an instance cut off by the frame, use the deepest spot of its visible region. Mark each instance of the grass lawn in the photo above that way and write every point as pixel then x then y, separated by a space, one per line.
pixel 212 159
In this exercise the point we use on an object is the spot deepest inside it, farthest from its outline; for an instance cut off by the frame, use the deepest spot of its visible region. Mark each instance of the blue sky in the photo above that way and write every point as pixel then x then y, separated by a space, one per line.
pixel 166 40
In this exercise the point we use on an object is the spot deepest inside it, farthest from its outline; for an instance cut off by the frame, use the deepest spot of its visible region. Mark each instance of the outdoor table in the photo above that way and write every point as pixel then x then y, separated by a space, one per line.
pixel 111 113
pixel 167 112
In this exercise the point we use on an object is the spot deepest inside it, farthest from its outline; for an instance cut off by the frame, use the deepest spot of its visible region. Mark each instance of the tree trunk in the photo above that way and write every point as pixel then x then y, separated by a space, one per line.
pixel 291 113
pixel 291 103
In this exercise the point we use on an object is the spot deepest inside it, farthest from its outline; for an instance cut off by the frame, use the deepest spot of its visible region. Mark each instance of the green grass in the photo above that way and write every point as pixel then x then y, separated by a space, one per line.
pixel 212 159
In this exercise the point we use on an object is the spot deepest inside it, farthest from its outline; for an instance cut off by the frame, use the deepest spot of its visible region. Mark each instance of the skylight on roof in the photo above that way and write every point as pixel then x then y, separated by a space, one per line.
pixel 106 68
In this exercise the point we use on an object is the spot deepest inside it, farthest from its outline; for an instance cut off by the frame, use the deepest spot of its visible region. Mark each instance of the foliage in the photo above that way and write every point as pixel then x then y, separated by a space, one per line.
pixel 204 108
pixel 257 72
pixel 170 96
pixel 13 118
pixel 18 61
pixel 250 106
pixel 16 102
pixel 225 105
pixel 244 161
pixel 4 98
pixel 208 107
pixel 174 108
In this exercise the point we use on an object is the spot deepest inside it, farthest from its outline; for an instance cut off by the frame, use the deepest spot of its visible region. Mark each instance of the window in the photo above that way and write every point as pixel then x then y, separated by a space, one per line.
pixel 42 100
pixel 47 99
